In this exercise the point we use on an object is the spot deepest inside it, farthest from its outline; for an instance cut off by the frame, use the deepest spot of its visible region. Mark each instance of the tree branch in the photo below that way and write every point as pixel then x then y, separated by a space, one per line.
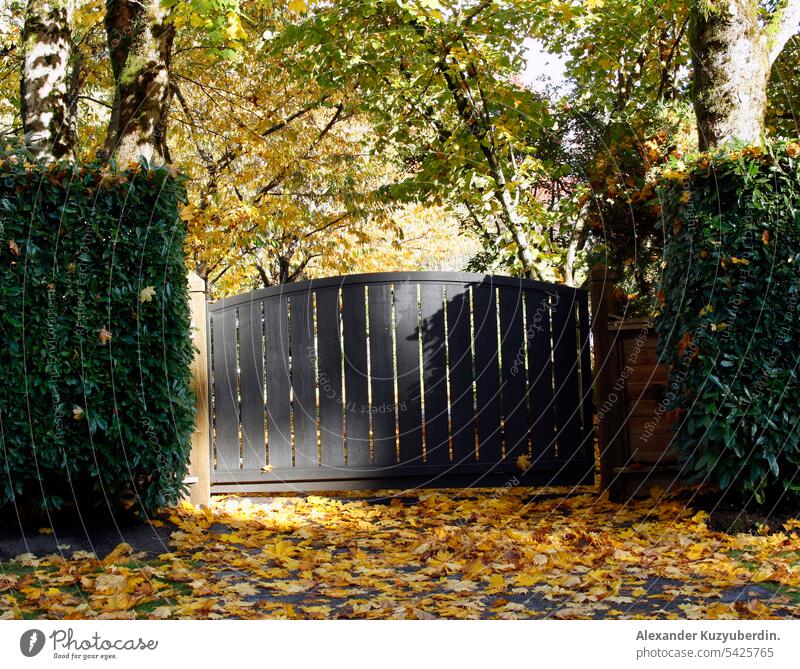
pixel 782 27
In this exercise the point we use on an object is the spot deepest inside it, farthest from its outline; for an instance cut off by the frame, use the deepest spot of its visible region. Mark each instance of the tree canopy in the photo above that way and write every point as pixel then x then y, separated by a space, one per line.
pixel 321 138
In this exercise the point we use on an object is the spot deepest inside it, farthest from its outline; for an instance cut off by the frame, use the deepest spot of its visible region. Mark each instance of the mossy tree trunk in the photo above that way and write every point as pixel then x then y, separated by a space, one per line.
pixel 44 83
pixel 733 49
pixel 140 42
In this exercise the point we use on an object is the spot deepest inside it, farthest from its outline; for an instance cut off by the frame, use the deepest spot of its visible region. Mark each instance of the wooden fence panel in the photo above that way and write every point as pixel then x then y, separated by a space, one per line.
pixel 381 338
pixel 303 376
pixel 434 353
pixel 356 375
pixel 279 416
pixel 487 381
pixel 540 375
pixel 459 338
pixel 514 400
pixel 251 381
pixel 565 367
pixel 329 363
pixel 226 393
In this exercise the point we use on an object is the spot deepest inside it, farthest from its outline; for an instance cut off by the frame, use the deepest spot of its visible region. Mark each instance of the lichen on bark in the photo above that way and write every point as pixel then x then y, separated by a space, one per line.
pixel 732 54
pixel 140 41
pixel 44 81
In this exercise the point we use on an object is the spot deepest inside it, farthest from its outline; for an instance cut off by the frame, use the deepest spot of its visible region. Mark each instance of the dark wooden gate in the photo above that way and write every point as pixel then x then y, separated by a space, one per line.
pixel 400 379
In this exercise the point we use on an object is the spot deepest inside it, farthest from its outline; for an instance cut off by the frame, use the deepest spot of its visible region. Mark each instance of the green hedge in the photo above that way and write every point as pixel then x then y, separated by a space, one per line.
pixel 730 323
pixel 94 318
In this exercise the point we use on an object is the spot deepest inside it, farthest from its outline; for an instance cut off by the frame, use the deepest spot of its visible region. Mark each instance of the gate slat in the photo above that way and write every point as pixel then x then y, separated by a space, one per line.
pixel 279 438
pixel 487 382
pixel 586 362
pixel 303 379
pixel 515 410
pixel 330 378
pixel 251 386
pixel 434 365
pixel 459 345
pixel 565 361
pixel 382 373
pixel 409 404
pixel 226 401
pixel 540 375
pixel 356 379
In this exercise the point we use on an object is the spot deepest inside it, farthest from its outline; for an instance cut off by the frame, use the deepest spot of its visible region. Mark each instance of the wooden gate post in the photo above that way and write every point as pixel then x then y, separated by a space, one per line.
pixel 609 403
pixel 199 475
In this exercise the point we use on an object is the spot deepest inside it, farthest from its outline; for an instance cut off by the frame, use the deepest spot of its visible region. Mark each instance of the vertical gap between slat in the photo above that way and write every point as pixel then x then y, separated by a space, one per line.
pixel 340 334
pixel 263 324
pixel 315 338
pixel 421 373
pixel 394 376
pixel 213 395
pixel 447 375
pixel 369 407
pixel 289 374
pixel 500 381
pixel 550 311
pixel 526 371
pixel 473 348
pixel 579 367
pixel 240 427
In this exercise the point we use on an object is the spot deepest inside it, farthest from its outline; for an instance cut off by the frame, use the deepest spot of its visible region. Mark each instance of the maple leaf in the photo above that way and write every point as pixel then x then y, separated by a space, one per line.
pixel 496 583
pixel 243 589
pixel 119 554
pixel 104 336
pixel 162 612
pixel 461 586
pixel 110 583
pixel 524 462
pixel 527 580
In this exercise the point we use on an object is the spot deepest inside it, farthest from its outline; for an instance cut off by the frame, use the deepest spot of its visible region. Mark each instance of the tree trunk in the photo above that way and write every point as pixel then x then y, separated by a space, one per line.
pixel 140 42
pixel 732 55
pixel 44 85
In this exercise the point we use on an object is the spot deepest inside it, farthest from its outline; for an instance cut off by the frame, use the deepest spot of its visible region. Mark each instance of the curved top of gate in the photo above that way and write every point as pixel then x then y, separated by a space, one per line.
pixel 391 277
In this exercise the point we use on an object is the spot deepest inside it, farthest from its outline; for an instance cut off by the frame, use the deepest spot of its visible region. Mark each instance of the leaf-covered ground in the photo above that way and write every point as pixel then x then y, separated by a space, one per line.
pixel 422 554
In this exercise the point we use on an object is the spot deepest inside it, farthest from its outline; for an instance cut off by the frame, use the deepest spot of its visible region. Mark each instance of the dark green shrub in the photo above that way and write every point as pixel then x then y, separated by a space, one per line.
pixel 730 323
pixel 94 321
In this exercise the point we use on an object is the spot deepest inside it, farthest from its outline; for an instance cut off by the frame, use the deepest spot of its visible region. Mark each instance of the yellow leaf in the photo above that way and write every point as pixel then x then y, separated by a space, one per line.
pixel 119 554
pixel 146 294
pixel 496 583
pixel 526 580
pixel 110 583
pixel 298 6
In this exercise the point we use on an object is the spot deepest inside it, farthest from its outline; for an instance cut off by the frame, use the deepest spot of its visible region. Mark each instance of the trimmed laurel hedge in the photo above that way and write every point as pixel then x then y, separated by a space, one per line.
pixel 730 324
pixel 94 319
